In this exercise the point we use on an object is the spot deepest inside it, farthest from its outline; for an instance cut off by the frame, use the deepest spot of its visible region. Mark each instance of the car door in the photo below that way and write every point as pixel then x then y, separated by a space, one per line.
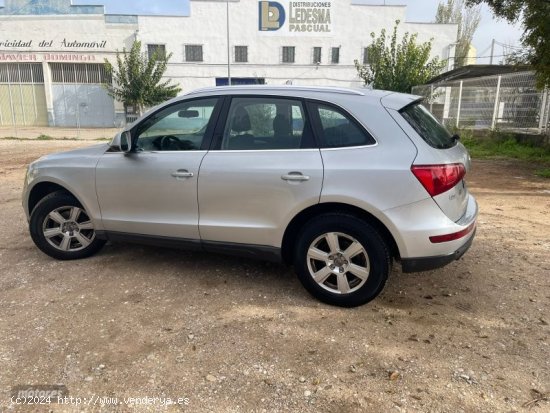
pixel 153 190
pixel 263 169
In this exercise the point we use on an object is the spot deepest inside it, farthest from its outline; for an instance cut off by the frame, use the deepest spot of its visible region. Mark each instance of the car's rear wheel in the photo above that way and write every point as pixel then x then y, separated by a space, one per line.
pixel 62 229
pixel 341 260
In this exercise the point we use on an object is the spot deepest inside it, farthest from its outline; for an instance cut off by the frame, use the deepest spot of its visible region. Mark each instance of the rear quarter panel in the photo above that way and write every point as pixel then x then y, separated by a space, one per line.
pixel 454 201
pixel 378 177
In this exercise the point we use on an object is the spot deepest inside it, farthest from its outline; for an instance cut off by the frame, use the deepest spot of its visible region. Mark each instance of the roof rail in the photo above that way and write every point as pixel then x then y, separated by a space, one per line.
pixel 320 89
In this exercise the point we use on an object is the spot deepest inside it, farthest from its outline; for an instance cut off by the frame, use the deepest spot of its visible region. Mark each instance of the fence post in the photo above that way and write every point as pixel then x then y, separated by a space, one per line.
pixel 459 103
pixel 497 98
pixel 542 117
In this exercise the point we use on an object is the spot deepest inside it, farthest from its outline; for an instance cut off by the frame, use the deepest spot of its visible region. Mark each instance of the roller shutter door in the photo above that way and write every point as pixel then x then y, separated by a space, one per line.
pixel 79 99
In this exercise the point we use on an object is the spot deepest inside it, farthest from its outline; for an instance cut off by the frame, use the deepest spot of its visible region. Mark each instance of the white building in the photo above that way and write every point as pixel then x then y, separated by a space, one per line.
pixel 52 52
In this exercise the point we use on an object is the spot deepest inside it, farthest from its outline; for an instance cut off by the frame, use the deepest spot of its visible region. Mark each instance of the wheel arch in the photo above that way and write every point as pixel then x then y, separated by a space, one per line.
pixel 43 189
pixel 305 215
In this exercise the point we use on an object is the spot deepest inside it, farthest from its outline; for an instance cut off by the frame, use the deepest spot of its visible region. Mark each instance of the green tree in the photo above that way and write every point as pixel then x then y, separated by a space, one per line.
pixel 534 15
pixel 137 79
pixel 467 18
pixel 399 65
pixel 518 57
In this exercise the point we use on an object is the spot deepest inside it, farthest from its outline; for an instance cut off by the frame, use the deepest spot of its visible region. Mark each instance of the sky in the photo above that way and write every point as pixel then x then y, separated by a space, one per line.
pixel 417 11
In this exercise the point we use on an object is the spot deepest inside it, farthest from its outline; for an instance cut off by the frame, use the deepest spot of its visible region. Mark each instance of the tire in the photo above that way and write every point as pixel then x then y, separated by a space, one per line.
pixel 61 228
pixel 352 270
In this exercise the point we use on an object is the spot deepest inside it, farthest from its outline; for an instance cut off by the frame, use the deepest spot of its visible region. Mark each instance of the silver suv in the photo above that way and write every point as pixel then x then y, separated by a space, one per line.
pixel 336 182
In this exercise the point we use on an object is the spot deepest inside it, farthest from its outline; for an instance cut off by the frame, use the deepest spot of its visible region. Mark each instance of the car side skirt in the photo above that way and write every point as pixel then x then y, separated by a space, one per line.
pixel 259 252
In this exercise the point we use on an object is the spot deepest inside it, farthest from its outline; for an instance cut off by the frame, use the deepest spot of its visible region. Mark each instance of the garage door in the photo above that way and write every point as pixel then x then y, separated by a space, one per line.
pixel 79 99
pixel 22 95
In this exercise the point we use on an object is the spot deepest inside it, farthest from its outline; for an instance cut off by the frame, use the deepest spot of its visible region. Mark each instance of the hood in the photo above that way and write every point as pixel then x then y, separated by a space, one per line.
pixel 89 152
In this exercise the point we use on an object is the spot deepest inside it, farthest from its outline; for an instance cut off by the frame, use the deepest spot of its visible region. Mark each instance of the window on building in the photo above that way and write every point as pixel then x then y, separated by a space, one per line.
pixel 366 60
pixel 91 73
pixel 160 49
pixel 193 53
pixel 21 73
pixel 335 55
pixel 338 129
pixel 317 55
pixel 241 54
pixel 289 54
pixel 266 123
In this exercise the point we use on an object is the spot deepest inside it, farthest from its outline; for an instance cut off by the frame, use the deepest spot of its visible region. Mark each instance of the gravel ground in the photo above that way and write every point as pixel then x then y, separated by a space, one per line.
pixel 230 335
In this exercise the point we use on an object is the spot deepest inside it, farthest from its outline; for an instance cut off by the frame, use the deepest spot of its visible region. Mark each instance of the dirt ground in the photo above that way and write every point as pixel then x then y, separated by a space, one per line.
pixel 230 335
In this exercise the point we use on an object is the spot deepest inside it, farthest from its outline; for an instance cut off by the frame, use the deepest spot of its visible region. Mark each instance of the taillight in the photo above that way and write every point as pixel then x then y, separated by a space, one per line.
pixel 439 178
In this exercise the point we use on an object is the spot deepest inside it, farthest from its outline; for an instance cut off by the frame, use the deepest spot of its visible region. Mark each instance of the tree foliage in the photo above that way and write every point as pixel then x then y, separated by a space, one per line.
pixel 535 17
pixel 137 79
pixel 467 17
pixel 518 57
pixel 399 65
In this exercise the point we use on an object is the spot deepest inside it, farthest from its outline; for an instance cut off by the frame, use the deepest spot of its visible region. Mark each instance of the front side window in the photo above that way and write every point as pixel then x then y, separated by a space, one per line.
pixel 180 127
pixel 427 126
pixel 193 53
pixel 266 123
pixel 338 130
pixel 288 54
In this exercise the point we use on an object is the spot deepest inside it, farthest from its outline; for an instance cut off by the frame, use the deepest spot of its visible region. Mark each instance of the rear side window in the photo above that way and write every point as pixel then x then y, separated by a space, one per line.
pixel 266 123
pixel 339 130
pixel 427 126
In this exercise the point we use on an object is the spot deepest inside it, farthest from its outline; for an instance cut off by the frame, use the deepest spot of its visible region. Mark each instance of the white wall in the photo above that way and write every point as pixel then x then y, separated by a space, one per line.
pixel 207 26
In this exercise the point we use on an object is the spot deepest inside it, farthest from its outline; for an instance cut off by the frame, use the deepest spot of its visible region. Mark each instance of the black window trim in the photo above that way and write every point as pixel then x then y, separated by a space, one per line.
pixel 208 134
pixel 318 128
pixel 224 114
pixel 416 102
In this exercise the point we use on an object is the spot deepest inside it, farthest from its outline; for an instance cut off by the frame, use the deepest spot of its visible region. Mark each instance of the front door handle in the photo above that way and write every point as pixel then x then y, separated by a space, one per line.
pixel 182 173
pixel 295 177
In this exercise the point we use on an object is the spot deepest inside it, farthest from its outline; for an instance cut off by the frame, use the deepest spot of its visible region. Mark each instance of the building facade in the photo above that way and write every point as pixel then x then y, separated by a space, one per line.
pixel 52 52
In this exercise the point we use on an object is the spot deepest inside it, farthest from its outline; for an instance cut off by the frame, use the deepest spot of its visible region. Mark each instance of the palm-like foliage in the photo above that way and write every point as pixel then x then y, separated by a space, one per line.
pixel 137 79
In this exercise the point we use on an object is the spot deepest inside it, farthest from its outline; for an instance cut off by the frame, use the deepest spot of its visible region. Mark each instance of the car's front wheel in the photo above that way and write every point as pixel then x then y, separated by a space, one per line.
pixel 341 260
pixel 62 229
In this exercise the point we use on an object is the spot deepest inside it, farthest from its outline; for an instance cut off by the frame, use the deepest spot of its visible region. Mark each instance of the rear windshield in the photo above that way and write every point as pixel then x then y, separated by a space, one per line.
pixel 428 127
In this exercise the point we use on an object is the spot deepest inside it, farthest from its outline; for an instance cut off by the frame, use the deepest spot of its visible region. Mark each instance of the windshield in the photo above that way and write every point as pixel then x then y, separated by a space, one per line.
pixel 427 126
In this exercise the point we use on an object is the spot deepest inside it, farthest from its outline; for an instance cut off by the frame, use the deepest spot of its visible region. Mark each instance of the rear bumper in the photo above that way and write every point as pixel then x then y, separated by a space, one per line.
pixel 431 263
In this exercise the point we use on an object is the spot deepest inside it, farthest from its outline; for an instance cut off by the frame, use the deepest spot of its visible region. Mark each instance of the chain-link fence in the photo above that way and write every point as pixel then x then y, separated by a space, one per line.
pixel 508 102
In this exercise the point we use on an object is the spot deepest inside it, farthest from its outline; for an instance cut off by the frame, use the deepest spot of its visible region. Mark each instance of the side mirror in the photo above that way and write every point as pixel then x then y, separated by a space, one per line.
pixel 126 141
pixel 122 142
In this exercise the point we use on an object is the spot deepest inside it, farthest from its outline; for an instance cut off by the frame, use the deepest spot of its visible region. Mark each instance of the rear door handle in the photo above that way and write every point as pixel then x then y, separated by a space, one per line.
pixel 295 177
pixel 182 173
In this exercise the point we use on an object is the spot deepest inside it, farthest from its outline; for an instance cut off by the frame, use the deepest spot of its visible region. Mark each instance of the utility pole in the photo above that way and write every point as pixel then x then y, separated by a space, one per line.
pixel 228 46
pixel 492 51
